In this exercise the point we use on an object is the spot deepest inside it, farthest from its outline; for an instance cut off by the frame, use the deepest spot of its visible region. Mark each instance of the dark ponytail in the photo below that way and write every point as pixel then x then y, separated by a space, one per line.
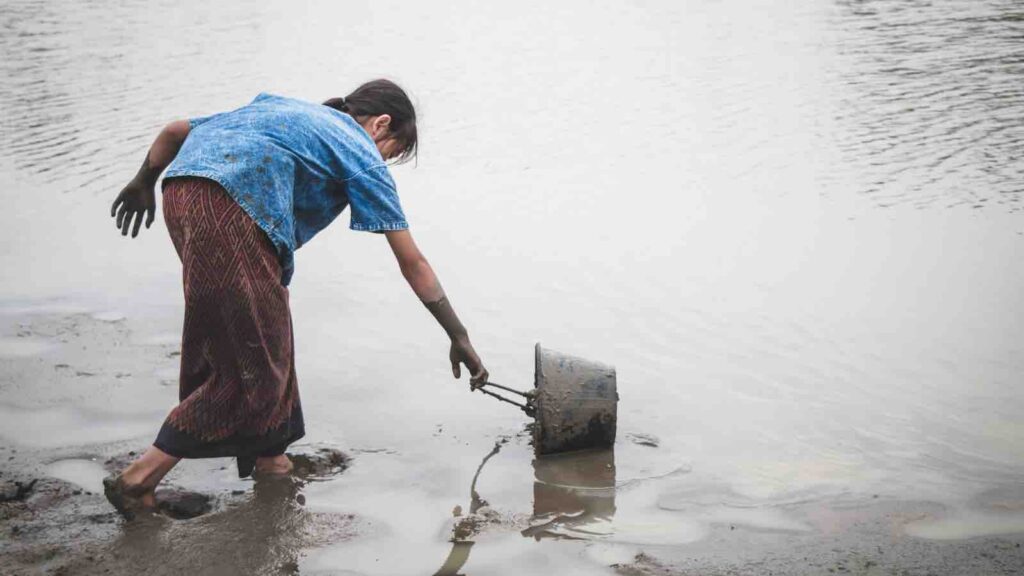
pixel 384 97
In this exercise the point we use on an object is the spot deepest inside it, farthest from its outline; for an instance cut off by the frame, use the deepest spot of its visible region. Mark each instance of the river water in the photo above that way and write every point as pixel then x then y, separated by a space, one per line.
pixel 789 225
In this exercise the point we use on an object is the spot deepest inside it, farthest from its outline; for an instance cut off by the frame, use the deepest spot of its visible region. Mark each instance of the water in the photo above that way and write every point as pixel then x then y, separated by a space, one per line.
pixel 84 473
pixel 790 226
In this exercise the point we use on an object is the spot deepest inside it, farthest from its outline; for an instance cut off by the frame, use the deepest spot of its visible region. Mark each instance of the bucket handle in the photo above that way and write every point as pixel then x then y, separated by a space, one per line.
pixel 527 407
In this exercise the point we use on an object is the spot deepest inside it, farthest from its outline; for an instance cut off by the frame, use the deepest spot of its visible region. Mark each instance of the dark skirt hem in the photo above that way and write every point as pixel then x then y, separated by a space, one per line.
pixel 246 448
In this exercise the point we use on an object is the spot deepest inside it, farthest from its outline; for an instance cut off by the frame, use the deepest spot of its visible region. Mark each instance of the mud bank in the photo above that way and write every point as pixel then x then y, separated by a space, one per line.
pixel 454 501
pixel 78 405
pixel 59 529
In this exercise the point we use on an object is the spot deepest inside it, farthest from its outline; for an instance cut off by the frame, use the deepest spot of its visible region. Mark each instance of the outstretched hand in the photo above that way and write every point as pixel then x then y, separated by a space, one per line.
pixel 462 352
pixel 135 202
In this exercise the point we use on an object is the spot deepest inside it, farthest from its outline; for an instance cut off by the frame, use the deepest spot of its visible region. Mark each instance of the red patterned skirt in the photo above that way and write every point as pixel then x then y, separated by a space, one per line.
pixel 238 393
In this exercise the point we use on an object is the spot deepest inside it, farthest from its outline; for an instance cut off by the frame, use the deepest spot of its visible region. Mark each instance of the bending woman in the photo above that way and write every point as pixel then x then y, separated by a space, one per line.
pixel 243 191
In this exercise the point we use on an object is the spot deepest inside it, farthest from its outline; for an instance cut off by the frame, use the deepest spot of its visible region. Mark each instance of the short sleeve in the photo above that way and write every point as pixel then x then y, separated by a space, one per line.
pixel 373 201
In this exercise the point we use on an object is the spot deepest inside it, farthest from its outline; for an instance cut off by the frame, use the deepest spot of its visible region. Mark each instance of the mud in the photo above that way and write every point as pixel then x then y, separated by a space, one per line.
pixel 59 532
pixel 183 504
pixel 318 462
pixel 610 511
pixel 56 527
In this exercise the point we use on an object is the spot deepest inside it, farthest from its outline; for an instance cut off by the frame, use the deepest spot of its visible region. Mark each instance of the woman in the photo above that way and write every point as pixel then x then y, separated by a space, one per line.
pixel 243 191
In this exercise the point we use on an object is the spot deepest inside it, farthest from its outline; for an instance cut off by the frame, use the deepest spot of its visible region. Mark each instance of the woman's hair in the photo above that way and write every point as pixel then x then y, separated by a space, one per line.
pixel 384 97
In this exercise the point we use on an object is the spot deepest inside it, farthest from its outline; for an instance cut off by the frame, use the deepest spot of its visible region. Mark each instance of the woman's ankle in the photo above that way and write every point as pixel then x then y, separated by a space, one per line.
pixel 136 481
pixel 277 465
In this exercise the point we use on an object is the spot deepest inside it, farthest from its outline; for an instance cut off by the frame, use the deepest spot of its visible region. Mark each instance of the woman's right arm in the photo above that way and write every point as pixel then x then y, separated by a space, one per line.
pixel 138 198
pixel 424 283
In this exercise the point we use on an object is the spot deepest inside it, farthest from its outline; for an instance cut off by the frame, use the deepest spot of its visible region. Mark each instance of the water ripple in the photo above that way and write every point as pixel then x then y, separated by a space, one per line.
pixel 931 101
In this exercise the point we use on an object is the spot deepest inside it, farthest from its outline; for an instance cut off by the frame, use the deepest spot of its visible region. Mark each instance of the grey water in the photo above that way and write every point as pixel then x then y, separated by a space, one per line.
pixel 793 227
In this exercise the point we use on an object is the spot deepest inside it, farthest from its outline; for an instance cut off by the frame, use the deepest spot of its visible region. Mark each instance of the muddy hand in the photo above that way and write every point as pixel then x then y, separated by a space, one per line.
pixel 136 202
pixel 462 352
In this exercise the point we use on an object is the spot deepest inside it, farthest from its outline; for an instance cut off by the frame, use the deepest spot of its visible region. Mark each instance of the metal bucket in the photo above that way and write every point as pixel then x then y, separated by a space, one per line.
pixel 575 402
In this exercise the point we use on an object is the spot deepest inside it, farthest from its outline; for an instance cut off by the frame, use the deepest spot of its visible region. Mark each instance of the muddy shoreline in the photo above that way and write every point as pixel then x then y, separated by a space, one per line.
pixel 58 528
pixel 55 520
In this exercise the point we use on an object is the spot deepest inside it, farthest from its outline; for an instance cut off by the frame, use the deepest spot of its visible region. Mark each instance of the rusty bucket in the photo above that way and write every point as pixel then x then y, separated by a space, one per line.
pixel 574 402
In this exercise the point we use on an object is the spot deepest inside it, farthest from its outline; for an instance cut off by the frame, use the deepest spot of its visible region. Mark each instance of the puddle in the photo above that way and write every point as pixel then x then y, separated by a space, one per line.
pixel 109 316
pixel 967 524
pixel 24 347
pixel 64 426
pixel 87 474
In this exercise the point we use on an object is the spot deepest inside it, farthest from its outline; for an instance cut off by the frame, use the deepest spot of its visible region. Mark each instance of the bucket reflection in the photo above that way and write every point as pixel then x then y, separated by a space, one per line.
pixel 573 495
pixel 573 498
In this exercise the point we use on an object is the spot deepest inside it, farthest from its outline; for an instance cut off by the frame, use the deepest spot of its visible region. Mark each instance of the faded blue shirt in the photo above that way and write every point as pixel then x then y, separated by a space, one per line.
pixel 293 166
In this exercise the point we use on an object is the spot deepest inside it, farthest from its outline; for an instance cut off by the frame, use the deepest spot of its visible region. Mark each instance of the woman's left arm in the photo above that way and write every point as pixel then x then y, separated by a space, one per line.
pixel 138 198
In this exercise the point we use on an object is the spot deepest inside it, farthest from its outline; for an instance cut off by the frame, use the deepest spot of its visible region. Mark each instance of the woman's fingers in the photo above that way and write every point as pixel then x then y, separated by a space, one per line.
pixel 479 379
pixel 150 215
pixel 127 222
pixel 120 214
pixel 456 369
pixel 139 216
pixel 117 202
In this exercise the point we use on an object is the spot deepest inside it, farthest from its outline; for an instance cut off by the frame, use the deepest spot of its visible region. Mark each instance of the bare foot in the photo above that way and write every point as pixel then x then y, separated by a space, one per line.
pixel 274 466
pixel 129 500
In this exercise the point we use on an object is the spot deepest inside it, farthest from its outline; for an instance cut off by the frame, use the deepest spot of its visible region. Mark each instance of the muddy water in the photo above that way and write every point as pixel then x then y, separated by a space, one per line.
pixel 790 227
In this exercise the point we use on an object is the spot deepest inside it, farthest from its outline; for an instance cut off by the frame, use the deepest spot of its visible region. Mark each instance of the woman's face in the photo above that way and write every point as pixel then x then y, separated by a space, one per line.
pixel 389 148
pixel 378 127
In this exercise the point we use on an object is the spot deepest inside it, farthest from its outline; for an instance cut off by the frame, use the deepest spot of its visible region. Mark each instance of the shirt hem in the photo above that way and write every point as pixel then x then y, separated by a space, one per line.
pixel 385 227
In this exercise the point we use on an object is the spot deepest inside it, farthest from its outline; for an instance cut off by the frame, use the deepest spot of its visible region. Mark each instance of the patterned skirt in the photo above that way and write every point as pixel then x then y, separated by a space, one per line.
pixel 238 393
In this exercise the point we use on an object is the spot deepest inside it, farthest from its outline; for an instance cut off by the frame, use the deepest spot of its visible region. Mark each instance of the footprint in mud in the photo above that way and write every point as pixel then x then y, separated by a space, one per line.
pixel 313 462
pixel 183 504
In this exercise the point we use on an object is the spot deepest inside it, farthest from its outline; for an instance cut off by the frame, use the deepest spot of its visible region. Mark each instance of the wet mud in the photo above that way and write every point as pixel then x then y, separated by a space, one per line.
pixel 318 462
pixel 52 526
pixel 597 504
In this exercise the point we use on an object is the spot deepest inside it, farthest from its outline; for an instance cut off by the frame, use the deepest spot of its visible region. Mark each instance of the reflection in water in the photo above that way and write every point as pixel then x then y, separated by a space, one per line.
pixel 573 498
pixel 573 495
pixel 466 528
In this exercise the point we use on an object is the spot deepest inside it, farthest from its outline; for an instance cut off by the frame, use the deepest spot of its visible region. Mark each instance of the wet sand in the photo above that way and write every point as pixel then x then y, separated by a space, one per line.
pixel 567 514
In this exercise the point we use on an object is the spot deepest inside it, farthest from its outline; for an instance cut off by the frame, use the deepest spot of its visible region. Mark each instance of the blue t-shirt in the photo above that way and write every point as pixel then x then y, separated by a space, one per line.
pixel 293 166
